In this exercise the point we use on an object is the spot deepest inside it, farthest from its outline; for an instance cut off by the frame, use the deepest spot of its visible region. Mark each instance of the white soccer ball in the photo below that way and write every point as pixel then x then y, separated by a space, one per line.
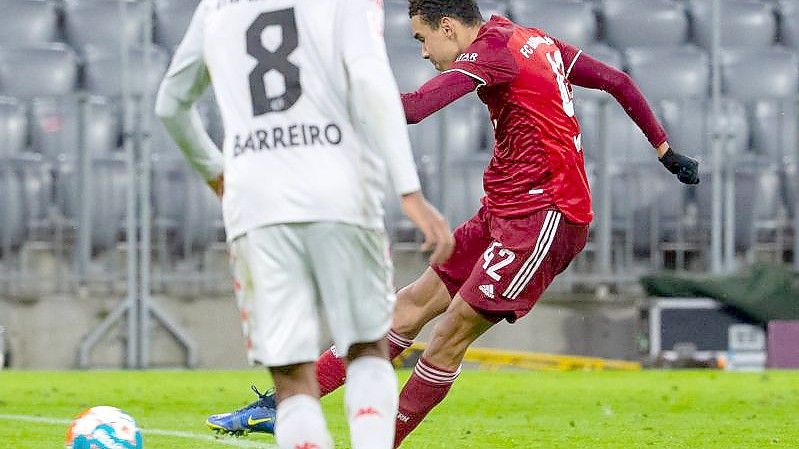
pixel 103 427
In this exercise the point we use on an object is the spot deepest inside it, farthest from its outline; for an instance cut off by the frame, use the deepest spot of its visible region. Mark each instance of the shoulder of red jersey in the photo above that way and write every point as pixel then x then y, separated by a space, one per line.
pixel 488 59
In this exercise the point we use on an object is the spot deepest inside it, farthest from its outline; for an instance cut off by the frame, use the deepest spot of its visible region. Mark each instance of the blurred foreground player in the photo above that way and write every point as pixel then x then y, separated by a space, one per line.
pixel 313 126
pixel 537 209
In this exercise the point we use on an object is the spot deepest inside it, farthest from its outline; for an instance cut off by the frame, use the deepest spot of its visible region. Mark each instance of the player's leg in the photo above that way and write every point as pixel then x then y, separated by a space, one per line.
pixel 421 301
pixel 282 326
pixel 371 396
pixel 302 423
pixel 516 269
pixel 354 276
pixel 439 365
pixel 417 304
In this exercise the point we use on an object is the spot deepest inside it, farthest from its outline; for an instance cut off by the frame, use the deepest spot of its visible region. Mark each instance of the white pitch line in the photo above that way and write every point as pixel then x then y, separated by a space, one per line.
pixel 160 432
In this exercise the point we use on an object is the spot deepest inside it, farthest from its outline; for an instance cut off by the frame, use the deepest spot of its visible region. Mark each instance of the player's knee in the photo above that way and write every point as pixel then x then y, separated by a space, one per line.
pixel 371 349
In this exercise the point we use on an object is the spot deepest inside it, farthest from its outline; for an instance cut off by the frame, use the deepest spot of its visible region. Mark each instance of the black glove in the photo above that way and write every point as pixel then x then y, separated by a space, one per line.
pixel 686 168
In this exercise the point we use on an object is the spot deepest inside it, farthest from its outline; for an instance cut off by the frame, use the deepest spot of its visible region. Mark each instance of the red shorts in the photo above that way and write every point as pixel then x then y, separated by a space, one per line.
pixel 501 266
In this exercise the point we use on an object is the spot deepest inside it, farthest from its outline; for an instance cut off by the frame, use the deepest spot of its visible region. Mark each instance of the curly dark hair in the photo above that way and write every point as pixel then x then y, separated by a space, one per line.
pixel 431 11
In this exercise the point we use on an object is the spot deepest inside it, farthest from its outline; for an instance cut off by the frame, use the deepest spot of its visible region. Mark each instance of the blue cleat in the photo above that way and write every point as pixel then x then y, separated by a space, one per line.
pixel 258 417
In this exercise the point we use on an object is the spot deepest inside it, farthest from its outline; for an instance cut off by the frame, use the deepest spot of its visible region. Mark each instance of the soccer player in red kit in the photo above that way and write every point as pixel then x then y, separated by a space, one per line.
pixel 536 212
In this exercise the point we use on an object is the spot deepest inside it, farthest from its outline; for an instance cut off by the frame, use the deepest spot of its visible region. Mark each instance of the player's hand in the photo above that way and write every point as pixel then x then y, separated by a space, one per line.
pixel 437 233
pixel 686 168
pixel 218 186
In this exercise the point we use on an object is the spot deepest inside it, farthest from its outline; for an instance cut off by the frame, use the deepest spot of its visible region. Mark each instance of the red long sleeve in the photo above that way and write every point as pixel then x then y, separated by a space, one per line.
pixel 435 94
pixel 594 74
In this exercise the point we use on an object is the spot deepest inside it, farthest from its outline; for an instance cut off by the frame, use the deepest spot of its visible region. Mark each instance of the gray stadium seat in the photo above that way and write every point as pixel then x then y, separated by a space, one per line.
pixel 755 197
pixel 398 25
pixel 13 127
pixel 644 23
pixel 103 73
pixel 35 177
pixel 571 22
pixel 626 140
pixel 468 129
pixel 56 126
pixel 760 73
pixel 46 70
pixel 172 18
pixel 12 228
pixel 184 205
pixel 412 72
pixel 103 23
pixel 28 22
pixel 647 205
pixel 664 73
pixel 492 7
pixel 789 22
pixel 108 185
pixel 589 112
pixel 745 23
pixel 767 80
pixel 690 126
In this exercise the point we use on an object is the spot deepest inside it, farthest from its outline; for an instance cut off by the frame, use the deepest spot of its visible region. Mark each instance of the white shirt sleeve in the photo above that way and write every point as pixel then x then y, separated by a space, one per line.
pixel 186 79
pixel 374 96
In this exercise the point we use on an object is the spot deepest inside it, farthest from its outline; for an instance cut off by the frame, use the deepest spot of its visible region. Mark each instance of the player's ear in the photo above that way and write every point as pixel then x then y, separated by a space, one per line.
pixel 446 24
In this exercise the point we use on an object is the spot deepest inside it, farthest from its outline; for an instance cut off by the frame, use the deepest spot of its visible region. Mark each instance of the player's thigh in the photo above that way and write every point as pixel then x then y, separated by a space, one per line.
pixel 354 275
pixel 522 262
pixel 281 312
pixel 418 303
pixel 471 240
pixel 458 328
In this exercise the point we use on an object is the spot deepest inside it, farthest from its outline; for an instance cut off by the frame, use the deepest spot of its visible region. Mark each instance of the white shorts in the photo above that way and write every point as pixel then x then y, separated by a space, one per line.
pixel 286 275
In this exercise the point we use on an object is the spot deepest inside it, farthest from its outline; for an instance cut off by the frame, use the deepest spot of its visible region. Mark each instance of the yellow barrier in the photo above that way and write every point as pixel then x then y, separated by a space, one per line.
pixel 494 359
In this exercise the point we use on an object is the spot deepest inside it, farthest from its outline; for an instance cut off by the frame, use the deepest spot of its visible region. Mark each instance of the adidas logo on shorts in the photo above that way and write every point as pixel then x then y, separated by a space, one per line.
pixel 488 290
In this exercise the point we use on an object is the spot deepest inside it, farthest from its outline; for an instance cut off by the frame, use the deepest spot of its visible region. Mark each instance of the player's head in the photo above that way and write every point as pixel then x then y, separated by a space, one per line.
pixel 445 28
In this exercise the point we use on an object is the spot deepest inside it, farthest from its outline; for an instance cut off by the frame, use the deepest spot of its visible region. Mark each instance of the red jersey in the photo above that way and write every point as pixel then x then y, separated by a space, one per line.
pixel 538 160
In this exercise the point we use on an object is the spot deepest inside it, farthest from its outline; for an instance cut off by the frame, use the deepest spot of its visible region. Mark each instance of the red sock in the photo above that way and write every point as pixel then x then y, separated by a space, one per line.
pixel 331 371
pixel 427 387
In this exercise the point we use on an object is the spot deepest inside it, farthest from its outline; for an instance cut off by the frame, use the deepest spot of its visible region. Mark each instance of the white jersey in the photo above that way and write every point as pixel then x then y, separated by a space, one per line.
pixel 312 116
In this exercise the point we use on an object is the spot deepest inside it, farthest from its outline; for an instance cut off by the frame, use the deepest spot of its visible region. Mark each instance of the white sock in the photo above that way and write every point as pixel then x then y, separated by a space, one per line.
pixel 371 400
pixel 300 423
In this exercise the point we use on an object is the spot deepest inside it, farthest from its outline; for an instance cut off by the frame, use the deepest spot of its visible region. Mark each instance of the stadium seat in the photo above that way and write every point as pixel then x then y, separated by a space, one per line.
pixel 398 25
pixel 103 23
pixel 589 112
pixel 644 23
pixel 183 205
pixel 28 22
pixel 689 124
pixel 12 227
pixel 35 179
pixel 411 72
pixel 664 73
pixel 647 205
pixel 767 80
pixel 492 7
pixel 172 18
pixel 744 23
pixel 571 22
pixel 626 140
pixel 56 126
pixel 789 22
pixel 13 127
pixel 103 72
pixel 755 198
pixel 46 70
pixel 108 186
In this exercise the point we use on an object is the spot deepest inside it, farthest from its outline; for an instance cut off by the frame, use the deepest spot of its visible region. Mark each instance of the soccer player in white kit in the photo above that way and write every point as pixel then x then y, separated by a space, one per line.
pixel 313 128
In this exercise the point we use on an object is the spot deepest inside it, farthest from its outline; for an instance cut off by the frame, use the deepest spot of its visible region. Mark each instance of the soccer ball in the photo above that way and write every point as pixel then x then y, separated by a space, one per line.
pixel 103 428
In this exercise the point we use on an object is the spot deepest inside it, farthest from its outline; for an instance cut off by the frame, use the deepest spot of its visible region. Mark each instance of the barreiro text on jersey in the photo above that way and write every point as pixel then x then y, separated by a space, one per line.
pixel 301 135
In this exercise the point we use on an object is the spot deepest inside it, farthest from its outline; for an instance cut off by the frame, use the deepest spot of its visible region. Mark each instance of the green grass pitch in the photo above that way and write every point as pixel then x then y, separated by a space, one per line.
pixel 650 409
